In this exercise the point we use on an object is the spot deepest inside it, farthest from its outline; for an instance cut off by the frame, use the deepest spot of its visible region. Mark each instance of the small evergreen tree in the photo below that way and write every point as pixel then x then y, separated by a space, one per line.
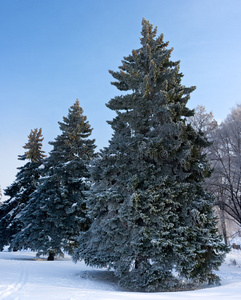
pixel 150 213
pixel 57 212
pixel 19 192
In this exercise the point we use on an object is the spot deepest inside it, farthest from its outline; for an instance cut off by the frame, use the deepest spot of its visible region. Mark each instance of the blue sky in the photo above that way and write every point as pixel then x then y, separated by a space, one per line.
pixel 54 51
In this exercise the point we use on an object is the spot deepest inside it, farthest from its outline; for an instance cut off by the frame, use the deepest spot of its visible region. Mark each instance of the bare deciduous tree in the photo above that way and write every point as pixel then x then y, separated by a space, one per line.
pixel 203 121
pixel 225 154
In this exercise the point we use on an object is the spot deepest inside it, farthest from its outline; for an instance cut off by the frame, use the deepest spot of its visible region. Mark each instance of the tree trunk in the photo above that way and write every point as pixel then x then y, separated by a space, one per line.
pixel 223 225
pixel 51 255
pixel 139 259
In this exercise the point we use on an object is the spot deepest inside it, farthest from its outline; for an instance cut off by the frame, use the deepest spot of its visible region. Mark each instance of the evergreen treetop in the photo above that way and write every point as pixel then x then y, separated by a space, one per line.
pixel 73 142
pixel 34 146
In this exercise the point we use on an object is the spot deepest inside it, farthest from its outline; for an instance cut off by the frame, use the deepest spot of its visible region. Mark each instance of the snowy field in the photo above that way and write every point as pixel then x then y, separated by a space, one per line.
pixel 23 276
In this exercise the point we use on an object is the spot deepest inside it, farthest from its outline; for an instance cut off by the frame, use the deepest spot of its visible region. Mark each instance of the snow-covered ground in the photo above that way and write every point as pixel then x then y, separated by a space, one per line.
pixel 23 276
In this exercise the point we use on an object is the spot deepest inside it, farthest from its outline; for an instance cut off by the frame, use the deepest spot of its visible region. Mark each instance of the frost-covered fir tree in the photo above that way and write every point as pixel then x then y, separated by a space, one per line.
pixel 152 221
pixel 57 212
pixel 19 192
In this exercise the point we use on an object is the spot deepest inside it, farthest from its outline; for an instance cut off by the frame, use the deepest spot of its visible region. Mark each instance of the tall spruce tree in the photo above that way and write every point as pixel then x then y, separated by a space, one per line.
pixel 19 192
pixel 151 215
pixel 57 212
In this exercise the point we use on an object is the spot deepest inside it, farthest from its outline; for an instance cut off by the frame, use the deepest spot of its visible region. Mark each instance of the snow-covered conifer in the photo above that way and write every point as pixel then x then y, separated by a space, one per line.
pixel 152 220
pixel 19 192
pixel 57 212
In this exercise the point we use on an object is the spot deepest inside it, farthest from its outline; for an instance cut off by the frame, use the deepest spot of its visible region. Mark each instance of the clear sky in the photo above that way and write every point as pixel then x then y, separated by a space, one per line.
pixel 54 51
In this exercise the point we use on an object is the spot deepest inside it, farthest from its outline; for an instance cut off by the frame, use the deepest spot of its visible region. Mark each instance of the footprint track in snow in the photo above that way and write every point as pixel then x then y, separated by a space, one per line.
pixel 11 291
